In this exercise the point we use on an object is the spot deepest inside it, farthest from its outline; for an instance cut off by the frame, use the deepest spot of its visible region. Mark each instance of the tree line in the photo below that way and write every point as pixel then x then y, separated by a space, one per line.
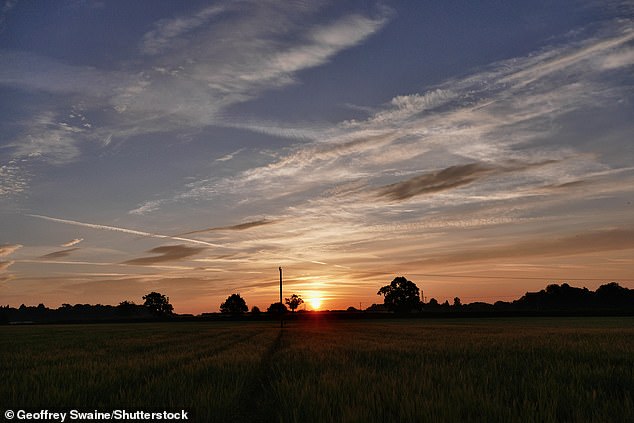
pixel 400 296
pixel 237 305
pixel 403 296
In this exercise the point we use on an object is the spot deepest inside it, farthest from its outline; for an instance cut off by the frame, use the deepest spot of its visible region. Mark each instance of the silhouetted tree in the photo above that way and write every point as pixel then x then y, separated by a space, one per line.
pixel 560 297
pixel 294 302
pixel 401 295
pixel 277 308
pixel 612 294
pixel 255 310
pixel 457 302
pixel 158 304
pixel 433 303
pixel 234 304
pixel 351 309
pixel 502 305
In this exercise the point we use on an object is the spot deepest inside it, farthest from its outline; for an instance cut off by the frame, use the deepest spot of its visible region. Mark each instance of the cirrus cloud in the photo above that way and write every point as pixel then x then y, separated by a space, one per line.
pixel 164 254
pixel 8 249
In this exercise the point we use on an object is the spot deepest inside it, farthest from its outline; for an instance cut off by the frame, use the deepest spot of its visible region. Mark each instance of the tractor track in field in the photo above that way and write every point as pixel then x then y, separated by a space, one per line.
pixel 255 400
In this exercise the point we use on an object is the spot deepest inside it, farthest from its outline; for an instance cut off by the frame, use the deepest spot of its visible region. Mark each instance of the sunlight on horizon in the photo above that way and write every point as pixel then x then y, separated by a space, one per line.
pixel 314 302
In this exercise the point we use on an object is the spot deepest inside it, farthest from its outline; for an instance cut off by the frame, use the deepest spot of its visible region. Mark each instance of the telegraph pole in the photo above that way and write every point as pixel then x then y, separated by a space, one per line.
pixel 281 304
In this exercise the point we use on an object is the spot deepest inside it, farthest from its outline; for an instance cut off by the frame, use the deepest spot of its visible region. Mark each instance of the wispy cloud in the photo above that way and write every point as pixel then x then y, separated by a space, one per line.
pixel 59 254
pixel 166 253
pixel 257 46
pixel 49 138
pixel 579 243
pixel 66 262
pixel 559 62
pixel 229 156
pixel 238 227
pixel 8 249
pixel 45 137
pixel 72 242
pixel 445 179
pixel 452 177
pixel 320 45
pixel 4 265
pixel 170 33
pixel 147 207
pixel 13 178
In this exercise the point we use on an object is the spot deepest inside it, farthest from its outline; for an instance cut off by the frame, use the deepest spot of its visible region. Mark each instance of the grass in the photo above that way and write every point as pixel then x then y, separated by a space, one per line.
pixel 529 369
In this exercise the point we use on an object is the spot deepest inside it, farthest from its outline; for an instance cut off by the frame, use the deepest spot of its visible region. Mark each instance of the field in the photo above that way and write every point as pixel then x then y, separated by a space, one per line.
pixel 493 370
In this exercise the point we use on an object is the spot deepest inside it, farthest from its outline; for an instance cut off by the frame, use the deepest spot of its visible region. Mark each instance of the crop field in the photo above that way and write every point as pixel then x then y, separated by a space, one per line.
pixel 493 370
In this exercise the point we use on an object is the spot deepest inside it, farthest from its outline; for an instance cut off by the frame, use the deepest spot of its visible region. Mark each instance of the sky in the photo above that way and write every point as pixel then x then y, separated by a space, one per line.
pixel 480 149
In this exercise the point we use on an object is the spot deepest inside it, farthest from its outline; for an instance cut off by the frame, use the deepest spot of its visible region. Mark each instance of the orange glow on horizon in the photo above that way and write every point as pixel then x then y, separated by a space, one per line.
pixel 315 302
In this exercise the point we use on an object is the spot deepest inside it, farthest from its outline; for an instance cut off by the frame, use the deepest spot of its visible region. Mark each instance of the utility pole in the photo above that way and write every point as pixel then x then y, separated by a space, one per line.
pixel 281 304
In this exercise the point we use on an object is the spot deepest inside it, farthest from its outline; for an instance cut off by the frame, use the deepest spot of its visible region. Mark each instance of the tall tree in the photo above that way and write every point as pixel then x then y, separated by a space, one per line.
pixel 276 308
pixel 234 304
pixel 401 295
pixel 158 304
pixel 294 302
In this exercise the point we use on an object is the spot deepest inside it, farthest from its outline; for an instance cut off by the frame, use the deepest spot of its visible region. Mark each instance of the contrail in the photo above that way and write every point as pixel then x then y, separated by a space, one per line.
pixel 124 230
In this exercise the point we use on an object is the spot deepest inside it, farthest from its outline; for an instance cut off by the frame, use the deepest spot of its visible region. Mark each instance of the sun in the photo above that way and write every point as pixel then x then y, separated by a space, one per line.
pixel 314 302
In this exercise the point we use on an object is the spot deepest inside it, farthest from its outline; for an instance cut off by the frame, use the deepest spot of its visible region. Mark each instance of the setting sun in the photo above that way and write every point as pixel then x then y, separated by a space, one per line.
pixel 315 303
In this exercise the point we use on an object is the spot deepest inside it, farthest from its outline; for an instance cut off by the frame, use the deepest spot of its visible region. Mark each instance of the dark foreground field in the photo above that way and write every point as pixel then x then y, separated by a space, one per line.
pixel 528 369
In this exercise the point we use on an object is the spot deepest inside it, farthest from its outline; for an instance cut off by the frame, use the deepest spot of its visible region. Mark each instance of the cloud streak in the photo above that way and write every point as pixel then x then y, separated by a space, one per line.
pixel 72 242
pixel 229 156
pixel 164 254
pixel 123 230
pixel 451 177
pixel 580 243
pixel 170 32
pixel 238 227
pixel 59 254
pixel 4 265
pixel 8 249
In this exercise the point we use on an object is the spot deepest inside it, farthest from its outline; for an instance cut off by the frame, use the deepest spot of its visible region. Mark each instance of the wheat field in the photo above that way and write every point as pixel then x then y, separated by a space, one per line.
pixel 493 370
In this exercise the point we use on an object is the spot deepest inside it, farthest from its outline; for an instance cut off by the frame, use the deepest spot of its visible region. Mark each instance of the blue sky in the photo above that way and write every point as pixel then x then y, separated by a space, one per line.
pixel 481 149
